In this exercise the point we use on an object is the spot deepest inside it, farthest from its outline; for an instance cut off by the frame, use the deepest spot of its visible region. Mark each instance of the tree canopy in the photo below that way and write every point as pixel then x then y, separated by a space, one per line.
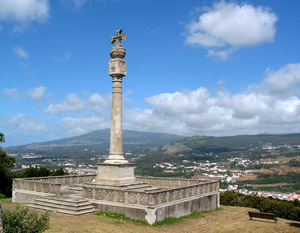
pixel 5 175
pixel 2 138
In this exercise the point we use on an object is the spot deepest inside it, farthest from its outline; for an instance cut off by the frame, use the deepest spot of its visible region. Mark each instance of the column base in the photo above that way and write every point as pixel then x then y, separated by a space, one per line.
pixel 112 174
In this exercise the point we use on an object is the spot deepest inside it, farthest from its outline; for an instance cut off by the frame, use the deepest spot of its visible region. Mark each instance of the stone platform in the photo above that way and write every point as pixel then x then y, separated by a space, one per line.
pixel 150 198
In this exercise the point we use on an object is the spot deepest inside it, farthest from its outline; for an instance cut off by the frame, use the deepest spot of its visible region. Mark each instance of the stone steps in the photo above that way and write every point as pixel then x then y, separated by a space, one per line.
pixel 63 205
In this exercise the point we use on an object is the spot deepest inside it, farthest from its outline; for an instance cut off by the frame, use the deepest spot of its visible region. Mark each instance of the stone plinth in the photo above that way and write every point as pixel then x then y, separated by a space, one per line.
pixel 152 199
pixel 111 174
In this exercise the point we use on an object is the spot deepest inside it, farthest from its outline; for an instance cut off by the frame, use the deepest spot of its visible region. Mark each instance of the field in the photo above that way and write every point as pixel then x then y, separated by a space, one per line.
pixel 228 219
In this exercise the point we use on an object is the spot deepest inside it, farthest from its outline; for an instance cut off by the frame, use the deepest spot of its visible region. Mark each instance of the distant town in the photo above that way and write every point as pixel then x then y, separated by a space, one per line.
pixel 235 172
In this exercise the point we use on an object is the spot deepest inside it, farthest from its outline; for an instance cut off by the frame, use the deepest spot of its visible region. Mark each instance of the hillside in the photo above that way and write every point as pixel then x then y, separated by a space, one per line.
pixel 97 142
pixel 228 219
pixel 230 143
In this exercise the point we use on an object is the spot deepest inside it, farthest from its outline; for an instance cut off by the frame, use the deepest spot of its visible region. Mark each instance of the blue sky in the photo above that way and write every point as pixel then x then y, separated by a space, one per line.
pixel 194 67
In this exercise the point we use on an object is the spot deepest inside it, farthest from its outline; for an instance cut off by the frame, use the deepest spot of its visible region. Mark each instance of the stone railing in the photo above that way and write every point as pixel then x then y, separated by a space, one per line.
pixel 168 182
pixel 51 184
pixel 64 180
pixel 148 198
pixel 36 186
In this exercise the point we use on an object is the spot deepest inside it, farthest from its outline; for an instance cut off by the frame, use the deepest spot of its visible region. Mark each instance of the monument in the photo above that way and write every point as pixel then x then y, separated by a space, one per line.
pixel 116 169
pixel 115 188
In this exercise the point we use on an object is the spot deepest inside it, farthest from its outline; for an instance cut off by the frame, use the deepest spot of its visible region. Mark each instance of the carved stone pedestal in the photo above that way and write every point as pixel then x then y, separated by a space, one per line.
pixel 114 174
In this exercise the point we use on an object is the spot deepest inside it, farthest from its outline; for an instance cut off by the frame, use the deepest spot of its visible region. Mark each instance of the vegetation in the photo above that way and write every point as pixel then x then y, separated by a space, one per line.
pixel 144 166
pixel 291 178
pixel 282 209
pixel 294 163
pixel 5 175
pixel 291 188
pixel 40 172
pixel 22 221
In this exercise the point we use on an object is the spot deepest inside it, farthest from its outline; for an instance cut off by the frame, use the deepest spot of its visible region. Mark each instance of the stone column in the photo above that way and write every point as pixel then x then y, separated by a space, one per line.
pixel 116 169
pixel 117 70
pixel 116 137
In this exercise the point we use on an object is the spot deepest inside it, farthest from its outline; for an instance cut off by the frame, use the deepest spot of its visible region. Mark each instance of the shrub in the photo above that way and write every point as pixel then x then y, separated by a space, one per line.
pixel 22 221
pixel 282 209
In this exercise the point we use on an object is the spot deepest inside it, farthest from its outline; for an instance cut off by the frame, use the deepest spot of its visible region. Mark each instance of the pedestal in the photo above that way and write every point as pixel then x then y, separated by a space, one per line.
pixel 114 174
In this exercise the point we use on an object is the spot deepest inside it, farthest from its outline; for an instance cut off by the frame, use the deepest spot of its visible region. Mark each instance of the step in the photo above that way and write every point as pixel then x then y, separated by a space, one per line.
pixel 65 207
pixel 59 202
pixel 65 199
pixel 67 212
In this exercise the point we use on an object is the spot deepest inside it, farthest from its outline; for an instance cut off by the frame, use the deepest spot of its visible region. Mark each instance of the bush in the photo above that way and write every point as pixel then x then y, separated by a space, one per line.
pixel 282 209
pixel 23 221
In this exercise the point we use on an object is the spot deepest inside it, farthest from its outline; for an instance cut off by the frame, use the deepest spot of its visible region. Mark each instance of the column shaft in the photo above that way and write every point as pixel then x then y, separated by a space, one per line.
pixel 116 139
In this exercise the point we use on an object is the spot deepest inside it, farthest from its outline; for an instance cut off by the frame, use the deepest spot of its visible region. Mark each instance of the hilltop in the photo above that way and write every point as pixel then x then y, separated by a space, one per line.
pixel 228 219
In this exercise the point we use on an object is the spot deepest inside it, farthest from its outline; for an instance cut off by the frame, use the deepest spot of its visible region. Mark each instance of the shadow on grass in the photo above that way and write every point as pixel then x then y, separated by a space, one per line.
pixel 195 214
pixel 294 224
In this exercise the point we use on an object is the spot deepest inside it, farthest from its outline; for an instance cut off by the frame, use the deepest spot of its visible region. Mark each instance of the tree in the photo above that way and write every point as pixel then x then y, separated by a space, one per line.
pixel 5 175
pixel 2 139
pixel 22 221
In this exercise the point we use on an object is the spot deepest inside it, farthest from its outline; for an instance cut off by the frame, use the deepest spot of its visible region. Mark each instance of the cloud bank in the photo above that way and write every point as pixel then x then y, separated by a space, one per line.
pixel 227 26
pixel 272 106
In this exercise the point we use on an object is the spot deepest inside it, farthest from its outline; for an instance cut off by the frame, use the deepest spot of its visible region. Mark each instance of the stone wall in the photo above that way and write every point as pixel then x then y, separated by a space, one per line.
pixel 149 198
pixel 50 184
pixel 168 182
pixel 36 186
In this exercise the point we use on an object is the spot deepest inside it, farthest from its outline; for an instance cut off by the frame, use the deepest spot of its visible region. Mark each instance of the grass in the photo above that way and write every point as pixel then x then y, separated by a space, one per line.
pixel 121 217
pixel 228 219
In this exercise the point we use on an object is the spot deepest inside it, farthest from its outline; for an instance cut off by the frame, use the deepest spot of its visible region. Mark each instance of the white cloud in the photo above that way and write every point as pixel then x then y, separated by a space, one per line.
pixel 285 81
pixel 20 53
pixel 25 123
pixel 12 93
pixel 259 109
pixel 24 11
pixel 83 125
pixel 37 93
pixel 233 25
pixel 73 103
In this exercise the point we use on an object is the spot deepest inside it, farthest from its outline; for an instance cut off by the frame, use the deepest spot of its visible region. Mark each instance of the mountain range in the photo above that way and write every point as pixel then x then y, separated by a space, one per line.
pixel 97 142
pixel 136 142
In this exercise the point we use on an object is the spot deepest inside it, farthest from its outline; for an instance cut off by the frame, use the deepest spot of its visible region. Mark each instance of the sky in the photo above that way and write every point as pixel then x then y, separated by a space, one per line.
pixel 200 67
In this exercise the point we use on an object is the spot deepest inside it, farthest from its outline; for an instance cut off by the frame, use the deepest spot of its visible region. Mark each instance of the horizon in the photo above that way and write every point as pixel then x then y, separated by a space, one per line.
pixel 148 132
pixel 195 70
